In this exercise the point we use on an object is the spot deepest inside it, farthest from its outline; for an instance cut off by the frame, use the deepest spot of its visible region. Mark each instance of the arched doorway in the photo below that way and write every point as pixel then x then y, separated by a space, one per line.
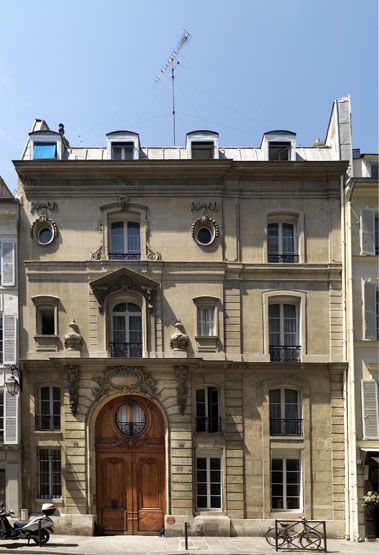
pixel 130 467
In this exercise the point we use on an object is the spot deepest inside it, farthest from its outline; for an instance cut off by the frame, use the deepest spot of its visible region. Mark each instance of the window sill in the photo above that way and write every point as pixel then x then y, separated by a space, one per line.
pixel 207 343
pixel 46 342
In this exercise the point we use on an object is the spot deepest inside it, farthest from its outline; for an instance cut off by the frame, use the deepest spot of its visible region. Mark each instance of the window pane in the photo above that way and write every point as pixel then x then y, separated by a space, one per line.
pixel 119 329
pixel 215 489
pixel 293 503
pixel 293 464
pixel 273 239
pixel 47 321
pixel 277 490
pixel 43 151
pixel 134 238
pixel 293 490
pixel 277 503
pixel 274 324
pixel 201 463
pixel 116 153
pixel 202 501
pixel 117 237
pixel 276 464
pixel 215 502
pixel 2 488
pixel 202 489
pixel 288 239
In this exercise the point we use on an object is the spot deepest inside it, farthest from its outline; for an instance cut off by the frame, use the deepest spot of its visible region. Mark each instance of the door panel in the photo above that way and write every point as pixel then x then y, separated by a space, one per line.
pixel 114 475
pixel 149 492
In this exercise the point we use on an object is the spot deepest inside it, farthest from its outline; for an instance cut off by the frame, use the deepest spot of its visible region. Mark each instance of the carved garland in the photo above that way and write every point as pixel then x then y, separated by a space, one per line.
pixel 126 379
pixel 103 291
pixel 72 377
pixel 182 377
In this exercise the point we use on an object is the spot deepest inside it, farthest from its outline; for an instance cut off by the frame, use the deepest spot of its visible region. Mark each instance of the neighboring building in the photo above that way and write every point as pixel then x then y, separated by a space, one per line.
pixel 10 457
pixel 362 284
pixel 182 332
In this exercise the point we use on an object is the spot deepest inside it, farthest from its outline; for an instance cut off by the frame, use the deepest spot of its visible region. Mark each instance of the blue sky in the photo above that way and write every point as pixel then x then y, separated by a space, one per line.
pixel 250 66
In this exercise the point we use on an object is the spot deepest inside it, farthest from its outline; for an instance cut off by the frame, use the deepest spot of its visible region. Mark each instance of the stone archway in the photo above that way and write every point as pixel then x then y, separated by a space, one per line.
pixel 130 467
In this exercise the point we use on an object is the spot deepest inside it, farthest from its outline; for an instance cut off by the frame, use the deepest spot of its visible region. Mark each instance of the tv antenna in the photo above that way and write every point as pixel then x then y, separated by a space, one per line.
pixel 171 63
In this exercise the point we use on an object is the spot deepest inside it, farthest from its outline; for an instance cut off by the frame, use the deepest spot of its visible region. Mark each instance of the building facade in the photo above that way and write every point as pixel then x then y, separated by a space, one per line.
pixel 362 286
pixel 10 455
pixel 182 336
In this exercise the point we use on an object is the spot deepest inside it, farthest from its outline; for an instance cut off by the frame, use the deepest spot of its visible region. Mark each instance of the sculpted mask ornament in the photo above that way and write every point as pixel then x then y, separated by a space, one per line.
pixel 126 379
pixel 73 339
pixel 179 340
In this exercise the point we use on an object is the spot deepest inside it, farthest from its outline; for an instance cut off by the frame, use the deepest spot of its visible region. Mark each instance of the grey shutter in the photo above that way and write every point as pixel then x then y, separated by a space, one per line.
pixel 370 409
pixel 7 264
pixel 11 418
pixel 367 231
pixel 9 338
pixel 369 311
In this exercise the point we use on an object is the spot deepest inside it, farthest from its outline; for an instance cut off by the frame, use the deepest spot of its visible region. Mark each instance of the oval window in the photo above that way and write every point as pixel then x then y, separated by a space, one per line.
pixel 204 235
pixel 130 419
pixel 45 235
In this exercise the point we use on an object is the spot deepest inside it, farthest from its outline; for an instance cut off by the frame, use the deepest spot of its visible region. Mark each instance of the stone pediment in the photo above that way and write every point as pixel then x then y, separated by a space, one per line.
pixel 123 280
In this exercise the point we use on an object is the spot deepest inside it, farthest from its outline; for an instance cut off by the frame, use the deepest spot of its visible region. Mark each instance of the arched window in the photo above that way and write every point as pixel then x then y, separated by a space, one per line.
pixel 126 336
pixel 125 242
pixel 284 332
pixel 285 412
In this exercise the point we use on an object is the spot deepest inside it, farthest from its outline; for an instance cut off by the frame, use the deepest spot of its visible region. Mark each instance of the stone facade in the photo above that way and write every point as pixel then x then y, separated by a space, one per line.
pixel 71 273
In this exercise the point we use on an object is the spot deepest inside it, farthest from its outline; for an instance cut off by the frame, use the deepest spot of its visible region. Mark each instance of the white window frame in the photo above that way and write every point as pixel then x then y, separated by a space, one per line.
pixel 284 456
pixel 125 223
pixel 208 322
pixel 127 315
pixel 209 456
pixel 283 403
pixel 280 238
pixel 281 320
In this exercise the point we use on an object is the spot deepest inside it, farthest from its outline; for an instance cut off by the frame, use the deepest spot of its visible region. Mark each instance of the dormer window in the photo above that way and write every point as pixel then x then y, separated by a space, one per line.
pixel 202 150
pixel 44 151
pixel 123 145
pixel 122 151
pixel 279 151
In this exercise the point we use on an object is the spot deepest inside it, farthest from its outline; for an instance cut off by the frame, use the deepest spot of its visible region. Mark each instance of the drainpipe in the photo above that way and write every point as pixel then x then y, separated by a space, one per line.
pixel 354 529
pixel 344 357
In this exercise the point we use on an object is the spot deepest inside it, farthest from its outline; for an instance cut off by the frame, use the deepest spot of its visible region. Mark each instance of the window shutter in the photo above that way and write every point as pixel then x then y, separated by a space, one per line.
pixel 370 409
pixel 7 264
pixel 9 325
pixel 367 230
pixel 11 418
pixel 369 314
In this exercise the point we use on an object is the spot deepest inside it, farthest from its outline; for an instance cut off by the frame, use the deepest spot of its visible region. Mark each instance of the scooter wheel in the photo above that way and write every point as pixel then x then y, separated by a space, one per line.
pixel 44 537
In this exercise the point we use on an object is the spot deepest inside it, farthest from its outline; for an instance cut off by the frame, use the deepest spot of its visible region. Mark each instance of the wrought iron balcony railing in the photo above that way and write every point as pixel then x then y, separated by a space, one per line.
pixel 47 422
pixel 283 258
pixel 286 426
pixel 131 428
pixel 210 424
pixel 126 350
pixel 124 255
pixel 285 353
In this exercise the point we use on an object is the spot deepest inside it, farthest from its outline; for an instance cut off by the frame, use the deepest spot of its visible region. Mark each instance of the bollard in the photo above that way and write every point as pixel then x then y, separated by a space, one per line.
pixel 186 536
pixel 39 533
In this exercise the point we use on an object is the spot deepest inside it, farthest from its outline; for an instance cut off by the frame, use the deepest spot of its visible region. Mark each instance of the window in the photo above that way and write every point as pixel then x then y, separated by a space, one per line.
pixel 285 483
pixel 376 236
pixel 370 311
pixel 285 412
pixel 48 408
pixel 1 340
pixel 283 332
pixel 282 243
pixel 46 321
pixel 370 409
pixel 123 151
pixel 202 150
pixel 2 488
pixel 43 151
pixel 208 483
pixel 50 478
pixel 1 416
pixel 206 321
pixel 131 419
pixel 279 150
pixel 125 241
pixel 208 410
pixel 7 250
pixel 374 170
pixel 126 330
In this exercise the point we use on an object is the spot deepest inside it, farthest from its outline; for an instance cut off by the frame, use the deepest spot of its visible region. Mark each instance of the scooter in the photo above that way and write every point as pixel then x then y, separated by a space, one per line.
pixel 36 528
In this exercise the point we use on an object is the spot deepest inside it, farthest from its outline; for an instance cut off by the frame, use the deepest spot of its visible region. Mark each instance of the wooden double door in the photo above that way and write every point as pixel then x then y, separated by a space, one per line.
pixel 130 463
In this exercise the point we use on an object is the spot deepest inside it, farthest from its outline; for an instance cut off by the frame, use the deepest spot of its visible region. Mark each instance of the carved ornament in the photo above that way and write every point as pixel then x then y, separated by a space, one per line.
pixel 205 221
pixel 182 377
pixel 150 254
pixel 179 340
pixel 126 379
pixel 123 203
pixel 72 377
pixel 73 339
pixel 41 222
pixel 43 205
pixel 205 207
pixel 97 254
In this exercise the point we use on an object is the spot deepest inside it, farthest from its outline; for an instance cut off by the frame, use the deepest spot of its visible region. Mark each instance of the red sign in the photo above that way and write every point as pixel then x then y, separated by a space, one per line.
pixel 170 520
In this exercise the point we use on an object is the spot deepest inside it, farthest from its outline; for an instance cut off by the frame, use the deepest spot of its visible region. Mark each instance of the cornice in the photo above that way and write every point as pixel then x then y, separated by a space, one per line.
pixel 147 169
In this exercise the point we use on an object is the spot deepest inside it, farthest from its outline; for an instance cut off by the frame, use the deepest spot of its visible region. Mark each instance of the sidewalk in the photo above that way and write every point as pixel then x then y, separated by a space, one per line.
pixel 142 545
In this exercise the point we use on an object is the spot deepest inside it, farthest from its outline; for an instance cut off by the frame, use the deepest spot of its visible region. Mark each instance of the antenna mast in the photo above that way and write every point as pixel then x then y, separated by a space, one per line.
pixel 172 62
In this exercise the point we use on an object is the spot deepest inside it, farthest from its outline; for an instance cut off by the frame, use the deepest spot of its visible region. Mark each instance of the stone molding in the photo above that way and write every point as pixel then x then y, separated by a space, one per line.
pixel 127 380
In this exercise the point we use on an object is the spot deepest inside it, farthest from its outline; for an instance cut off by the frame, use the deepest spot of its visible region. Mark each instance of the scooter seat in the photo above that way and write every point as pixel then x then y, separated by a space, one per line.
pixel 20 523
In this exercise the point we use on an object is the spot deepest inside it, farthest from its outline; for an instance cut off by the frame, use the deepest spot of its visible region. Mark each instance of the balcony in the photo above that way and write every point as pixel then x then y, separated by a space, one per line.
pixel 286 426
pixel 285 353
pixel 45 423
pixel 283 258
pixel 208 424
pixel 124 256
pixel 126 350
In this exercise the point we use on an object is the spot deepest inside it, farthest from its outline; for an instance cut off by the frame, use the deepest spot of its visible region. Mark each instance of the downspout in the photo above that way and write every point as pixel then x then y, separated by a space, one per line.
pixel 354 530
pixel 344 357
